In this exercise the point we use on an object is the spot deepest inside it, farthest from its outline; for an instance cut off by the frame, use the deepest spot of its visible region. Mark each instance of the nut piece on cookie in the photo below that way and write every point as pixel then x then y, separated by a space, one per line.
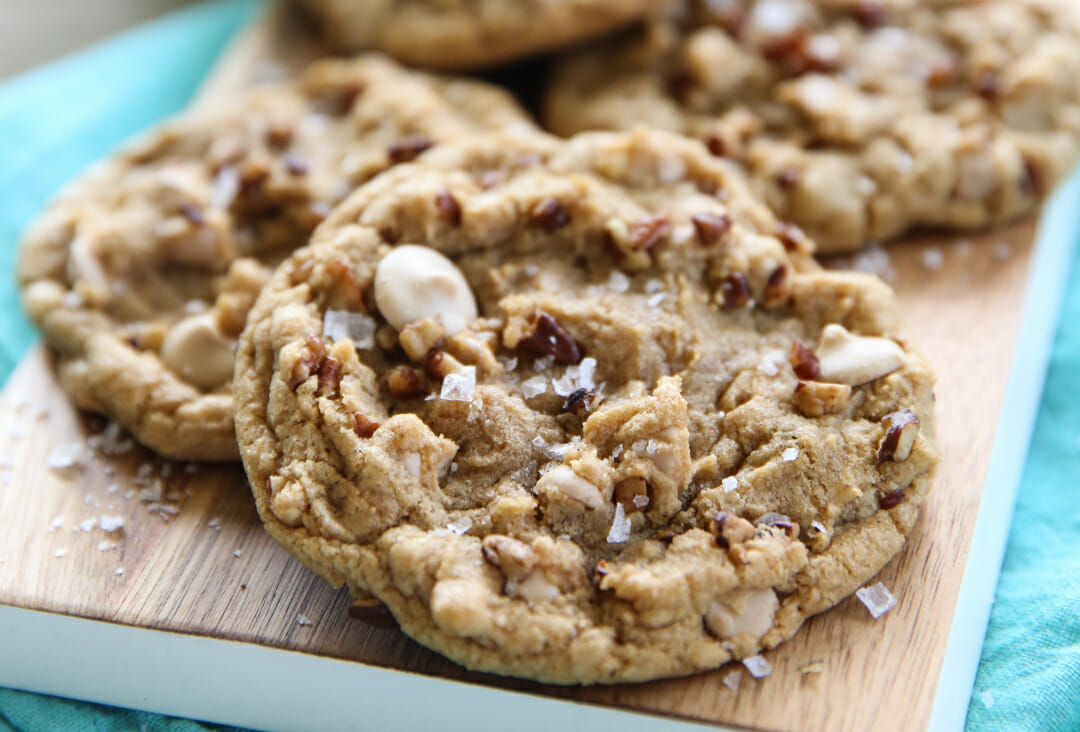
pixel 414 282
pixel 817 398
pixel 845 358
pixel 563 479
pixel 196 349
pixel 902 428
pixel 525 580
pixel 419 337
pixel 742 611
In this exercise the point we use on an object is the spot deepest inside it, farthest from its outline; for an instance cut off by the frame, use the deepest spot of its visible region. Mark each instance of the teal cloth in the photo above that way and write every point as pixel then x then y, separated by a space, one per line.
pixel 56 120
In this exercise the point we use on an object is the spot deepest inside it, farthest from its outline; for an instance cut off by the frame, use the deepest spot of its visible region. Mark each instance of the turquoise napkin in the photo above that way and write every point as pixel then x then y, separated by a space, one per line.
pixel 56 120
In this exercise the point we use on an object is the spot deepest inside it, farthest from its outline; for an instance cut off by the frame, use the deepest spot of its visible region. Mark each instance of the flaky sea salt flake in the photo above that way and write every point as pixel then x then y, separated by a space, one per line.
pixel 459 387
pixel 758 667
pixel 68 456
pixel 620 527
pixel 535 386
pixel 341 324
pixel 302 621
pixel 111 523
pixel 730 484
pixel 790 455
pixel 987 698
pixel 59 553
pixel 88 525
pixel 878 599
pixel 731 679
pixel 55 524
pixel 933 258
pixel 460 525
pixel 618 281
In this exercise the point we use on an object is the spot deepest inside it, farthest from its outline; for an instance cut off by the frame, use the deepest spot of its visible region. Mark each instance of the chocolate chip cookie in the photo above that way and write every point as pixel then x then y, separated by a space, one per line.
pixel 141 274
pixel 858 119
pixel 458 34
pixel 581 411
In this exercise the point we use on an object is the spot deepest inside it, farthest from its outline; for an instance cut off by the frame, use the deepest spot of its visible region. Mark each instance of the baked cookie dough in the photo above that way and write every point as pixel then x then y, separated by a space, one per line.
pixel 140 274
pixel 458 34
pixel 857 119
pixel 581 411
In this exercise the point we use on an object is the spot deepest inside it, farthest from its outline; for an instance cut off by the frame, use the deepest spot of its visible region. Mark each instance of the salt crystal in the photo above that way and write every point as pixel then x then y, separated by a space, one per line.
pixel 303 621
pixel 341 324
pixel 878 599
pixel 774 17
pixel 110 441
pixel 88 525
pixel 459 387
pixel 152 493
pixel 558 451
pixel 105 546
pixel 768 367
pixel 903 162
pixel 18 431
pixel 656 300
pixel 641 501
pixel 758 667
pixel 639 446
pixel 987 698
pixel 111 523
pixel 618 281
pixel 731 680
pixel 66 456
pixel 59 553
pixel 543 364
pixel 1002 250
pixel 237 553
pixel 933 258
pixel 790 455
pixel 874 260
pixel 56 523
pixel 539 443
pixel 730 484
pixel 620 527
pixel 129 494
pixel 119 571
pixel 818 526
pixel 652 447
pixel 89 500
pixel 460 526
pixel 112 488
pixel 509 364
pixel 214 523
pixel 617 452
pixel 534 387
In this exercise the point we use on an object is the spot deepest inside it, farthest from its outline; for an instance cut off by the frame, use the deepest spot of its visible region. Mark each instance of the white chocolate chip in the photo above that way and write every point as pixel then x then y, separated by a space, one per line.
pixel 850 359
pixel 563 479
pixel 198 351
pixel 414 282
pixel 742 611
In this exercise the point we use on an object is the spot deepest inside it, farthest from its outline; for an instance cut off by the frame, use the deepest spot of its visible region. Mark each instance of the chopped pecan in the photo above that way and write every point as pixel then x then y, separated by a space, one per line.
pixel 816 398
pixel 645 233
pixel 363 426
pixel 404 383
pixel 549 215
pixel 549 339
pixel 711 227
pixel 408 148
pixel 892 499
pixel 902 428
pixel 870 14
pixel 987 84
pixel 776 290
pixel 736 290
pixel 633 494
pixel 448 207
pixel 793 238
pixel 804 362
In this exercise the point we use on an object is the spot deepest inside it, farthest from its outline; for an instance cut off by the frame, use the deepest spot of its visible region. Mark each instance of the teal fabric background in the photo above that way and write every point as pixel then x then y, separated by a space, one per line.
pixel 56 120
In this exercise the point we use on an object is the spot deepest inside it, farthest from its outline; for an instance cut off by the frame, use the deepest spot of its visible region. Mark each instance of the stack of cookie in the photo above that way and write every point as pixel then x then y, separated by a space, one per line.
pixel 577 409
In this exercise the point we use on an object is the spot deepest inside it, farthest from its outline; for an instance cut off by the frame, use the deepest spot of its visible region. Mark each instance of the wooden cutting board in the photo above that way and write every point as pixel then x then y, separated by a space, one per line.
pixel 191 556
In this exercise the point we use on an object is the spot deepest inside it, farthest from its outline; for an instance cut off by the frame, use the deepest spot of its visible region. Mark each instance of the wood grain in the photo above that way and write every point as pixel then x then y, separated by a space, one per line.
pixel 211 570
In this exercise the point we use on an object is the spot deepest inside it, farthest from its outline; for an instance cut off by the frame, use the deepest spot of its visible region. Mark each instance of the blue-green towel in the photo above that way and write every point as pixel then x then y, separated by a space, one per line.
pixel 57 119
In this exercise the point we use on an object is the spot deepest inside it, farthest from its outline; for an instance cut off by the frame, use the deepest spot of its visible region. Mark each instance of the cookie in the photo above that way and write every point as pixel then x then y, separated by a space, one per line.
pixel 858 120
pixel 581 411
pixel 459 34
pixel 140 275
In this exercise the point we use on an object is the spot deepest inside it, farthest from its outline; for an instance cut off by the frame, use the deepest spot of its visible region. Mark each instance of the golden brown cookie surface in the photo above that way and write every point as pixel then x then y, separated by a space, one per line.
pixel 581 411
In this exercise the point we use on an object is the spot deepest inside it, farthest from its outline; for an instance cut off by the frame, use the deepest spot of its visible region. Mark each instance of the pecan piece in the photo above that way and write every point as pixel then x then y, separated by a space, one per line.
pixel 817 398
pixel 448 207
pixel 902 427
pixel 364 427
pixel 404 382
pixel 549 339
pixel 408 148
pixel 892 499
pixel 645 233
pixel 549 215
pixel 736 290
pixel 711 227
pixel 804 362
